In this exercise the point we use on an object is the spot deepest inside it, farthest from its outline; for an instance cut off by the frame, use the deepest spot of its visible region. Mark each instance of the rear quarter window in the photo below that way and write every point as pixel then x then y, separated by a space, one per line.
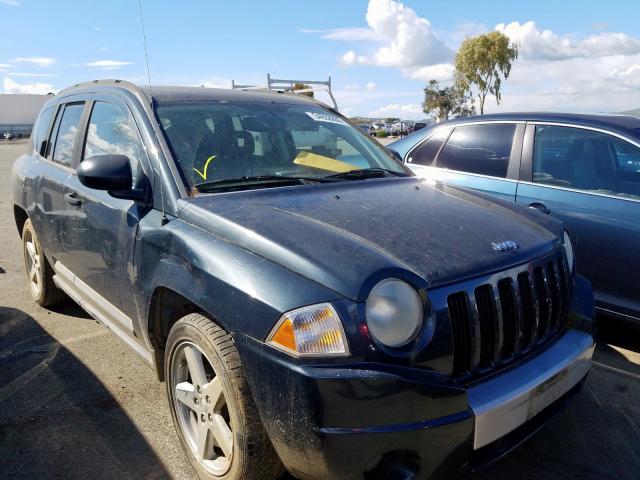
pixel 67 133
pixel 40 130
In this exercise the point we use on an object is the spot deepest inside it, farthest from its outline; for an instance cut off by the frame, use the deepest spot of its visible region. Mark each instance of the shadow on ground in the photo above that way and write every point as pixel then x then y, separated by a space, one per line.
pixel 57 420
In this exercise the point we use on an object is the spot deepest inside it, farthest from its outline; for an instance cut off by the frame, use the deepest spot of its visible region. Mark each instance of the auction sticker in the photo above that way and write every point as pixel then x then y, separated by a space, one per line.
pixel 326 117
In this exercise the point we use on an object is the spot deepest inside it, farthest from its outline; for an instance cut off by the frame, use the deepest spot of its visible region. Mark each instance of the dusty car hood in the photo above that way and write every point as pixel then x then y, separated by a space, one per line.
pixel 342 234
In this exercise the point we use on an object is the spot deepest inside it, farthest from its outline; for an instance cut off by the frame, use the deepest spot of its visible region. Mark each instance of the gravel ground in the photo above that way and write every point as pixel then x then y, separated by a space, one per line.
pixel 76 403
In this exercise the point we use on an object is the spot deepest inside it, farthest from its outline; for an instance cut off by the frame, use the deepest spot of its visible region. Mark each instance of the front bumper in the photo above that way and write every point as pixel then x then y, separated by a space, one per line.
pixel 381 421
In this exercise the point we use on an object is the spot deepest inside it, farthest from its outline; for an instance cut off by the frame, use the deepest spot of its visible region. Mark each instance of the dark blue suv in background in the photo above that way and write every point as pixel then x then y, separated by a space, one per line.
pixel 582 169
pixel 309 302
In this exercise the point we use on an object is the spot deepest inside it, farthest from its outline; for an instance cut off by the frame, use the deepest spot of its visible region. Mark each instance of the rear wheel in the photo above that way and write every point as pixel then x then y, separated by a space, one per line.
pixel 39 273
pixel 212 408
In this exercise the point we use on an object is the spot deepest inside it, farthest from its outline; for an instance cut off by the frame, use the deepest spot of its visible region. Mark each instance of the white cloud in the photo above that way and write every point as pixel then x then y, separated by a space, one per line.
pixel 310 30
pixel 32 75
pixel 39 61
pixel 216 82
pixel 367 87
pixel 352 35
pixel 442 72
pixel 11 86
pixel 406 111
pixel 4 65
pixel 107 64
pixel 11 3
pixel 407 40
pixel 352 58
pixel 536 44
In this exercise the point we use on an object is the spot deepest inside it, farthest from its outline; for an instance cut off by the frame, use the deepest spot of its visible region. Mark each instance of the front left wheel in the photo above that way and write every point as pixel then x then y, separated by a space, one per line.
pixel 213 411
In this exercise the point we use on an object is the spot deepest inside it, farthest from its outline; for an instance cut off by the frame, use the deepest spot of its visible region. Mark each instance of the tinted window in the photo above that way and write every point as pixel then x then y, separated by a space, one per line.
pixel 214 141
pixel 483 149
pixel 40 130
pixel 426 153
pixel 67 133
pixel 586 160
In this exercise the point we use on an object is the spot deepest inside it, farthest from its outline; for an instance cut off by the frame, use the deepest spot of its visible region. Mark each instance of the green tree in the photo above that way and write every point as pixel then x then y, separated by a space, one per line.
pixel 483 61
pixel 442 102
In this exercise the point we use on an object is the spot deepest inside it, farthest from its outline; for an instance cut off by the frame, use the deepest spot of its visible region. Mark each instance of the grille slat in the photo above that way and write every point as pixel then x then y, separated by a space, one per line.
pixel 459 314
pixel 529 309
pixel 500 320
pixel 507 301
pixel 487 318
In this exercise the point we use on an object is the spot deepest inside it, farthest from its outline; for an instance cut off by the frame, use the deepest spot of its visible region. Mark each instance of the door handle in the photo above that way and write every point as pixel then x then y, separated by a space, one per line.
pixel 540 206
pixel 72 199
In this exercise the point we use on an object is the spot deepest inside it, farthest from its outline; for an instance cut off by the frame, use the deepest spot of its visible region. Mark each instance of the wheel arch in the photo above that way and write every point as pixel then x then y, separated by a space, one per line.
pixel 20 215
pixel 166 307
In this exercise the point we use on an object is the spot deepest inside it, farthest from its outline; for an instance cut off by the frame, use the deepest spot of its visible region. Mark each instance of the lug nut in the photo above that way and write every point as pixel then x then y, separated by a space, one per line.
pixel 210 418
pixel 208 399
pixel 198 389
pixel 195 400
pixel 202 417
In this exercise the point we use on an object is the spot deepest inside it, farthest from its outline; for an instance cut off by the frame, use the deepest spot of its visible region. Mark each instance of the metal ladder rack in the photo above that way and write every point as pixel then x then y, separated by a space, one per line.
pixel 286 85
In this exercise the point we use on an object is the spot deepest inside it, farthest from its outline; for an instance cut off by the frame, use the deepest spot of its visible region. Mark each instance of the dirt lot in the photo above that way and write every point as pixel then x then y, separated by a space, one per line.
pixel 76 403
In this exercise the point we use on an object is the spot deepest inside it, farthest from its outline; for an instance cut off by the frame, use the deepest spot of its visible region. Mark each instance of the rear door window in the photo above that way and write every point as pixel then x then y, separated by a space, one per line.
pixel 426 153
pixel 483 149
pixel 586 160
pixel 67 132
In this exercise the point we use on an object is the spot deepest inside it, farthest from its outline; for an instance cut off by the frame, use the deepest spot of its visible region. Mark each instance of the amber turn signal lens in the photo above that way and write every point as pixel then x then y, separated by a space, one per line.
pixel 315 330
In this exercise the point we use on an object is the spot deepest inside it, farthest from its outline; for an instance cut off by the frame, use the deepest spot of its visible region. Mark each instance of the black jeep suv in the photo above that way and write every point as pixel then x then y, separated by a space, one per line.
pixel 310 304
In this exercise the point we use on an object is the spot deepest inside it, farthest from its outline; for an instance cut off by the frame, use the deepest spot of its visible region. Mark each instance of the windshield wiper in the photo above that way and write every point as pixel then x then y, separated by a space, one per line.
pixel 261 180
pixel 363 173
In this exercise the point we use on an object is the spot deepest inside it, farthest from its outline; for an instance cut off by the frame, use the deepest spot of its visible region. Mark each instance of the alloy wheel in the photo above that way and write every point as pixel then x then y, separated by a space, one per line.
pixel 33 263
pixel 201 408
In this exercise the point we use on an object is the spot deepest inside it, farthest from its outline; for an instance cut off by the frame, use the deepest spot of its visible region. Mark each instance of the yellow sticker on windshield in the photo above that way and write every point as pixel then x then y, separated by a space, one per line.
pixel 206 165
pixel 313 160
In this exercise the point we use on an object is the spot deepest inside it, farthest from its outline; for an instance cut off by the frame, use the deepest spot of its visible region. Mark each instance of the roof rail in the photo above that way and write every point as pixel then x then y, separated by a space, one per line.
pixel 286 85
pixel 107 82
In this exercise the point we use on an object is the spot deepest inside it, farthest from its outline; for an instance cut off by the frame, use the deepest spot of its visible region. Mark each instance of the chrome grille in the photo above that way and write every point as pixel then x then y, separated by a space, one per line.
pixel 507 316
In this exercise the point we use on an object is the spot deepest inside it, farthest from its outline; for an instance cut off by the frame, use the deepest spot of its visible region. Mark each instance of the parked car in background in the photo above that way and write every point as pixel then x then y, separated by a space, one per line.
pixel 399 128
pixel 8 136
pixel 419 126
pixel 365 128
pixel 582 169
pixel 309 302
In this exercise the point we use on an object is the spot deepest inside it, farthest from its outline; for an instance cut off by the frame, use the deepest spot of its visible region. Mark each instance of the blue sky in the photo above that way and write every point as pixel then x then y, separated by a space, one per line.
pixel 379 53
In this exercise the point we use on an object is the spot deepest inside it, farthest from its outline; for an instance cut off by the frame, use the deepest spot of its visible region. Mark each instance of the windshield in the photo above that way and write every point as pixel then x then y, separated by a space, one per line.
pixel 215 142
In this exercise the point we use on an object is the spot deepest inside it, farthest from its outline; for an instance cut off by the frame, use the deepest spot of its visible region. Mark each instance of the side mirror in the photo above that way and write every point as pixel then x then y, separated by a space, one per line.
pixel 111 173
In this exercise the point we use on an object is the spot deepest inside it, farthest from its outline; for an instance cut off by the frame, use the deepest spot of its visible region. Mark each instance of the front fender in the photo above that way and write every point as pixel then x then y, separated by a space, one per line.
pixel 244 292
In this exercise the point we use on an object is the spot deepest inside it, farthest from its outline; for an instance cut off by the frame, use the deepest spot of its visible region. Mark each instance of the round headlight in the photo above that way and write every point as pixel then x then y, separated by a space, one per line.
pixel 568 248
pixel 394 312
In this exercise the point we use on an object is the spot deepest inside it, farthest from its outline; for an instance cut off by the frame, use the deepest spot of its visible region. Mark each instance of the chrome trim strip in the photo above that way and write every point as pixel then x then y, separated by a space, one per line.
pixel 585 127
pixel 585 192
pixel 460 172
pixel 503 404
pixel 100 309
pixel 613 312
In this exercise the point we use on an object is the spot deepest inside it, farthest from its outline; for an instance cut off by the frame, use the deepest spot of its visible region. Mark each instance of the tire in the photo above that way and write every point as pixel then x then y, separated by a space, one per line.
pixel 40 277
pixel 213 397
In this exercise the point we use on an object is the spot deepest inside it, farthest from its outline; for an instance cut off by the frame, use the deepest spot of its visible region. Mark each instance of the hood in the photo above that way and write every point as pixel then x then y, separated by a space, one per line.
pixel 343 234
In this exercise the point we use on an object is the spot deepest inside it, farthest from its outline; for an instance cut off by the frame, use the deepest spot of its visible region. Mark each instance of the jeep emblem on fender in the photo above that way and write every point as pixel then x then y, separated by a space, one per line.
pixel 504 246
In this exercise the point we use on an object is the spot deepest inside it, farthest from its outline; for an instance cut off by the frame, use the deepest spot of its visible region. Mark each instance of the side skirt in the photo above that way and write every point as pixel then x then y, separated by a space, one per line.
pixel 100 309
